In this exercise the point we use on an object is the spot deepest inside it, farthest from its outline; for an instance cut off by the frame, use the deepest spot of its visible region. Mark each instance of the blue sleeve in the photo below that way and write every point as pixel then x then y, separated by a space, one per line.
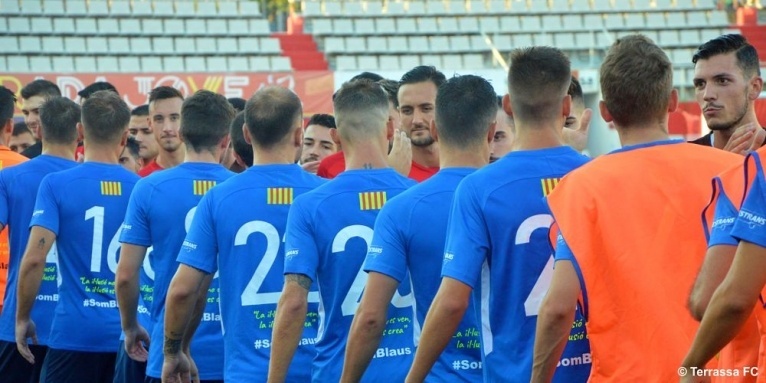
pixel 723 219
pixel 563 252
pixel 301 253
pixel 135 230
pixel 387 254
pixel 46 213
pixel 200 248
pixel 467 243
pixel 750 225
pixel 4 197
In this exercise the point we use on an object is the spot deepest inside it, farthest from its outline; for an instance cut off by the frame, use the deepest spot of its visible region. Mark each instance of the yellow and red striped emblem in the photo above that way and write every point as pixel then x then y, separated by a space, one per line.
pixel 548 185
pixel 372 200
pixel 279 196
pixel 111 188
pixel 201 187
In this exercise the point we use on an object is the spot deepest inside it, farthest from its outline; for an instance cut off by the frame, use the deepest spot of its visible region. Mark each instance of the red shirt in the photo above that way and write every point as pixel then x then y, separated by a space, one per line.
pixel 150 168
pixel 332 165
pixel 421 173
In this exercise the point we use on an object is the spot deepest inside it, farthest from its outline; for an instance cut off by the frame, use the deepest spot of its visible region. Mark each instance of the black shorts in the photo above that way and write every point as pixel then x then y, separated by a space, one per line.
pixel 63 366
pixel 15 369
pixel 128 370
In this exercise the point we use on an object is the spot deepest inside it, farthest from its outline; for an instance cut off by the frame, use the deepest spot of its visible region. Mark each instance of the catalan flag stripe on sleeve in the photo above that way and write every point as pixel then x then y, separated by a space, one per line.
pixel 372 200
pixel 111 188
pixel 549 184
pixel 279 196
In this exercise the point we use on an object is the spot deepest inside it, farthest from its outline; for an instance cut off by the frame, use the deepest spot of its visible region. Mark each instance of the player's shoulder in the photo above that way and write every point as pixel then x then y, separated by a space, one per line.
pixel 10 158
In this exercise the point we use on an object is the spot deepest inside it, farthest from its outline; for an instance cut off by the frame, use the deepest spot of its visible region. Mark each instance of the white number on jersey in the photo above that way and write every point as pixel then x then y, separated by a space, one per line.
pixel 535 298
pixel 97 214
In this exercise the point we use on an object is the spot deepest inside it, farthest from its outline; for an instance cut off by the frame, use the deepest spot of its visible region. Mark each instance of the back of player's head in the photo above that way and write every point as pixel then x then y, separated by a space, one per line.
pixel 238 143
pixel 58 118
pixel 423 73
pixel 271 114
pixel 538 80
pixel 95 87
pixel 747 56
pixel 636 81
pixel 164 93
pixel 392 89
pixel 132 147
pixel 140 111
pixel 238 103
pixel 326 120
pixel 42 88
pixel 105 117
pixel 361 110
pixel 575 91
pixel 7 104
pixel 205 120
pixel 21 127
pixel 465 107
pixel 367 76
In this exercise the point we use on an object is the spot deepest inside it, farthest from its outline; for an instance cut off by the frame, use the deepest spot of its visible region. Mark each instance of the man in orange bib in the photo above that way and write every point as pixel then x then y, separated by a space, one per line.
pixel 629 247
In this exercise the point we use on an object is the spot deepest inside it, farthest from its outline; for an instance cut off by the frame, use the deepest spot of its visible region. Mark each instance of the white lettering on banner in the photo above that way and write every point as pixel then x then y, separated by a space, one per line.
pixel 48 298
pixel 266 343
pixel 70 86
pixel 723 222
pixel 103 305
pixel 752 219
pixel 575 360
pixel 386 352
pixel 232 86
pixel 211 317
pixel 466 365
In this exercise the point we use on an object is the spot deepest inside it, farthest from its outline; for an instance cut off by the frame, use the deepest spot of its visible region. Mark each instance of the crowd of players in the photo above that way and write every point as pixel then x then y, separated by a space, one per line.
pixel 138 254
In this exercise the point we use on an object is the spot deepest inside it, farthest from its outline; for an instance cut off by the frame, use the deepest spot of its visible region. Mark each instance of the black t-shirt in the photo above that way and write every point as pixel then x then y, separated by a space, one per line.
pixel 34 150
pixel 704 140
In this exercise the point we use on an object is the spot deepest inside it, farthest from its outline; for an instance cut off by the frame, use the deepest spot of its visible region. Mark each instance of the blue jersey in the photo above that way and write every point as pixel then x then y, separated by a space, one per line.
pixel 18 188
pixel 160 212
pixel 498 244
pixel 409 236
pixel 723 219
pixel 328 234
pixel 238 230
pixel 751 221
pixel 84 206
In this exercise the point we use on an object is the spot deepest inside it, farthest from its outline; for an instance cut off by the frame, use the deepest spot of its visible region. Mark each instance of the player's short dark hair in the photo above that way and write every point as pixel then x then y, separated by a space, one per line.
pixel 499 101
pixel 40 87
pixel 141 110
pixel 7 104
pixel 132 147
pixel 361 109
pixel 95 87
pixel 205 120
pixel 238 103
pixel 392 89
pixel 575 90
pixel 58 120
pixel 538 80
pixel 465 107
pixel 326 120
pixel 164 93
pixel 423 73
pixel 367 76
pixel 238 143
pixel 105 117
pixel 747 56
pixel 20 128
pixel 271 114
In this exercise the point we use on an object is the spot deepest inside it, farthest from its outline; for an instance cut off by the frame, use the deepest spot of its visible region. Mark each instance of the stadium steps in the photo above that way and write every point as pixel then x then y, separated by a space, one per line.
pixel 302 51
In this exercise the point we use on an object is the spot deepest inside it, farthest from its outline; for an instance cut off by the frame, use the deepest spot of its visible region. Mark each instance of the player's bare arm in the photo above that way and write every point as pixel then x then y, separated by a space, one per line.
pixel 127 289
pixel 717 263
pixel 731 304
pixel 368 325
pixel 442 320
pixel 554 321
pixel 288 325
pixel 30 277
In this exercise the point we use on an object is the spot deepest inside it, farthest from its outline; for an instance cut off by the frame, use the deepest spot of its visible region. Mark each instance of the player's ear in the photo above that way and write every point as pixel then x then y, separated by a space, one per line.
pixel 246 135
pixel 298 137
pixel 434 131
pixel 673 104
pixel 335 136
pixel 756 87
pixel 507 105
pixel 566 107
pixel 390 129
pixel 604 112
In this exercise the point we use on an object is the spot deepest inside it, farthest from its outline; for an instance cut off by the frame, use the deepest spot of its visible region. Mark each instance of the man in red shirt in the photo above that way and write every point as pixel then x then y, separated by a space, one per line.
pixel 165 120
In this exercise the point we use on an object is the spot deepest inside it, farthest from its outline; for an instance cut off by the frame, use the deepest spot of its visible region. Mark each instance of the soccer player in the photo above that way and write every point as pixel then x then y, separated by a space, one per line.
pixel 33 95
pixel 328 246
pixel 82 210
pixel 164 120
pixel 160 211
pixel 22 138
pixel 502 142
pixel 411 229
pixel 59 117
pixel 497 244
pixel 417 96
pixel 243 151
pixel 140 129
pixel 129 158
pixel 317 141
pixel 635 264
pixel 726 88
pixel 578 121
pixel 95 87
pixel 238 231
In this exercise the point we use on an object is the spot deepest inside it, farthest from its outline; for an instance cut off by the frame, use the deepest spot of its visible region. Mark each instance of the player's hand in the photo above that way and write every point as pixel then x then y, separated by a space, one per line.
pixel 577 138
pixel 311 166
pixel 24 331
pixel 400 157
pixel 135 339
pixel 745 138
pixel 176 369
pixel 193 370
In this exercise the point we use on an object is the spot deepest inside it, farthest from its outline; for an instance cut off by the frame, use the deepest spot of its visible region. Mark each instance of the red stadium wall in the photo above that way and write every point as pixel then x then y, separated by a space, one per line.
pixel 315 88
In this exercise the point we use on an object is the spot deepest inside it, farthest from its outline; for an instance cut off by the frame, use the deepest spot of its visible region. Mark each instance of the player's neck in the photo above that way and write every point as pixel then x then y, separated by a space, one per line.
pixel 427 156
pixel 642 134
pixel 536 137
pixel 204 156
pixel 721 137
pixel 366 155
pixel 102 154
pixel 167 160
pixel 275 156
pixel 468 157
pixel 61 151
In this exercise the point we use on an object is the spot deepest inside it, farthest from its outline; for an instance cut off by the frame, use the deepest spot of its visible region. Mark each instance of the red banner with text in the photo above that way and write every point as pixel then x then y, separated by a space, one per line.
pixel 315 88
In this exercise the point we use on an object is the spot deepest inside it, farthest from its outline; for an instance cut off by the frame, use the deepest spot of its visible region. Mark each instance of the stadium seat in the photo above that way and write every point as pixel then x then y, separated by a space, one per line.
pixel 332 8
pixel 143 45
pixel 409 61
pixel 540 7
pixel 478 44
pixel 375 8
pixel 669 38
pixel 204 9
pixel 593 22
pixel 260 63
pixel 198 27
pixel 718 19
pixel 345 63
pixel 4 26
pixel 406 26
pixel 552 23
pixel 585 40
pixel 427 25
pixel 436 8
pixel 439 44
pixel 356 45
pixel 53 7
pixel 572 22
pixel 580 6
pixel 460 43
pixel 215 63
pixel 614 21
pixel 174 62
pixel 121 8
pixel 489 24
pixel 108 27
pixel 185 45
pixel 83 26
pixel 106 64
pixel 343 26
pixel 696 19
pixel 119 45
pixel 523 40
pixel 686 4
pixel 217 27
pixel 321 27
pixel 503 43
pixel 531 23
pixel 75 45
pixel 259 27
pixel 227 9
pixel 602 5
pixel 18 64
pixel 510 23
pixel 418 44
pixel 364 26
pixel 353 9
pixel 655 20
pixel 448 25
pixel 144 9
pixel 473 61
pixel 690 37
pixel 130 26
pixel 677 19
pixel 185 9
pixel 98 8
pixel 398 44
pixel 161 45
pixel 452 62
pixel 228 46
pixel 270 45
pixel 248 44
pixel 249 8
pixel 19 25
pixel 41 25
pixel 238 64
pixel 389 62
pixel 149 64
pixel 29 44
pixel 543 39
pixel 129 63
pixel 468 24
pixel 416 8
pixel 377 44
pixel 334 45
pixel 154 27
pixel 367 62
pixel 53 45
pixel 431 59
pixel 565 41
pixel 9 7
pixel 635 20
pixel 9 44
pixel 85 64
pixel 40 64
pixel 32 8
pixel 395 9
pixel 173 26
pixel 195 64
pixel 206 45
pixel 495 7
